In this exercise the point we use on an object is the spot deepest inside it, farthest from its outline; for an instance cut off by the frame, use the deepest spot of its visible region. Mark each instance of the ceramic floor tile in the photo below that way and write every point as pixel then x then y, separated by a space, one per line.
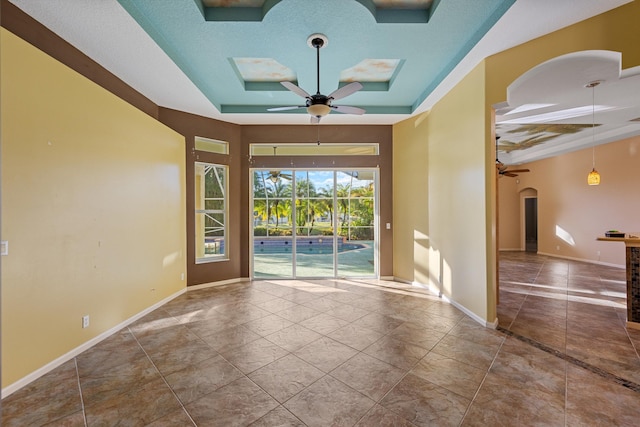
pixel 368 375
pixel 178 417
pixel 329 402
pixel 73 420
pixel 255 355
pixel 568 305
pixel 378 322
pixel 230 338
pixel 379 416
pixel 325 353
pixel 413 333
pixel 236 404
pixel 171 359
pixel 293 338
pixel 286 377
pixel 138 406
pixel 297 313
pixel 424 403
pixel 519 363
pixel 275 305
pixel 323 323
pixel 280 417
pixel 154 321
pixel 48 398
pixel 477 355
pixel 213 323
pixel 592 400
pixel 195 381
pixel 458 377
pixel 358 337
pixel 323 304
pixel 400 354
pixel 508 403
pixel 101 385
pixel 268 325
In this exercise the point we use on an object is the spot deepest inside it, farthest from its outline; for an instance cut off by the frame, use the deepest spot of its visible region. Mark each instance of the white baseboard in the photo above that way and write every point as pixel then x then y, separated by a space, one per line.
pixel 590 261
pixel 436 291
pixel 83 347
pixel 220 283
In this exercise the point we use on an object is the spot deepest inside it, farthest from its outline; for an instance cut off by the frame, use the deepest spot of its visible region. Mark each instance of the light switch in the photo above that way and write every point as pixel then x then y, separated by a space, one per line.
pixel 388 226
pixel 4 249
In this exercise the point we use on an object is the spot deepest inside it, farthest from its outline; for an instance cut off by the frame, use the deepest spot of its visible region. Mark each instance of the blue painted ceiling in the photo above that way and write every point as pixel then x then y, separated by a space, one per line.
pixel 237 51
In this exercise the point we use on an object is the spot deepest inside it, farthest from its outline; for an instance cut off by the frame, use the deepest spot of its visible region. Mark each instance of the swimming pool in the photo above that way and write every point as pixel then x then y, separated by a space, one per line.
pixel 307 245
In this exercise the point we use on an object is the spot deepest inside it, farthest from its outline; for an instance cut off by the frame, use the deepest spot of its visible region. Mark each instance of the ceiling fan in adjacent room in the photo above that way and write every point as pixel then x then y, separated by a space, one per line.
pixel 504 169
pixel 319 105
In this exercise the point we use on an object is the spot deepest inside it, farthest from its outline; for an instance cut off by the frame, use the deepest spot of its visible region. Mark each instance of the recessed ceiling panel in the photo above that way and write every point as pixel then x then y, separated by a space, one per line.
pixel 374 74
pixel 233 3
pixel 403 4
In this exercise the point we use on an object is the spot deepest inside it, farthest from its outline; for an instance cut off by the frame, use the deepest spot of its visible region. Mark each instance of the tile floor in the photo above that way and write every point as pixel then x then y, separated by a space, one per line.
pixel 365 353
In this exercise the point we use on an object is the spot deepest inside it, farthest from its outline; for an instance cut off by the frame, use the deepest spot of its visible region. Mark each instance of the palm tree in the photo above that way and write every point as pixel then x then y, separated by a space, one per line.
pixel 278 191
pixel 343 192
pixel 325 202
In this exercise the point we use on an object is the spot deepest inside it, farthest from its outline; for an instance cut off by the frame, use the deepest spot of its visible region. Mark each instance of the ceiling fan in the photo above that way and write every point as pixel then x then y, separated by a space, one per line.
pixel 320 105
pixel 504 169
pixel 274 176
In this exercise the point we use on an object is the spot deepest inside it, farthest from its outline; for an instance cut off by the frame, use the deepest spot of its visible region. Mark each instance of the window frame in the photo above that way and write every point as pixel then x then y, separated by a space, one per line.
pixel 200 232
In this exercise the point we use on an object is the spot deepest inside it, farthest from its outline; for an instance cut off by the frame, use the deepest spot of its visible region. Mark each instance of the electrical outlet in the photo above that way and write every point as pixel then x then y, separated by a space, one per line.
pixel 182 276
pixel 85 321
pixel 558 248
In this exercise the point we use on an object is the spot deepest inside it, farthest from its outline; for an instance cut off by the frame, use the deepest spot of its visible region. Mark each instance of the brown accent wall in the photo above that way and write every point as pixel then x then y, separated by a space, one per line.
pixel 190 126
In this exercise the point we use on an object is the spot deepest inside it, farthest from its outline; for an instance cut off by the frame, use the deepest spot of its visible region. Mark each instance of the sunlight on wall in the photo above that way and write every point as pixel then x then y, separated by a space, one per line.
pixel 447 278
pixel 171 259
pixel 564 235
pixel 435 278
pixel 420 252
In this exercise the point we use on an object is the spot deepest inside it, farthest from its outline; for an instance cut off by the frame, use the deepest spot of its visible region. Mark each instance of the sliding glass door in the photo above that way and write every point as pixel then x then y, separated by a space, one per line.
pixel 314 223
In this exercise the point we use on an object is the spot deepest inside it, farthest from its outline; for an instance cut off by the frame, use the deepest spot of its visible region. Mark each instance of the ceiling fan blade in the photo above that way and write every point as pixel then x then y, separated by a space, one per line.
pixel 315 119
pixel 290 107
pixel 295 89
pixel 348 109
pixel 518 170
pixel 345 90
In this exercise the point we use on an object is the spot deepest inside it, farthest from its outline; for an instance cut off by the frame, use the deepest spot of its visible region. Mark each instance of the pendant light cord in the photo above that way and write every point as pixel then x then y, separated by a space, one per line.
pixel 593 124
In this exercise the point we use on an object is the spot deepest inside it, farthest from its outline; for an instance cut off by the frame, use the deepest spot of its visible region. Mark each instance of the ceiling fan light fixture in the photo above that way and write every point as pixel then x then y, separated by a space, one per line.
pixel 318 110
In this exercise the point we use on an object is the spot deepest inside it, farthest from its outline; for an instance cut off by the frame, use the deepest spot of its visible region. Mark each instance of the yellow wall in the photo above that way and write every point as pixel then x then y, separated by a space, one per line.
pixel 93 207
pixel 583 212
pixel 411 201
pixel 446 152
pixel 458 195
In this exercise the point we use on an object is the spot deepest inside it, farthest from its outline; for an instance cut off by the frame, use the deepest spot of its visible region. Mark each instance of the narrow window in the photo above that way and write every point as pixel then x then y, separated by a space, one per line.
pixel 211 212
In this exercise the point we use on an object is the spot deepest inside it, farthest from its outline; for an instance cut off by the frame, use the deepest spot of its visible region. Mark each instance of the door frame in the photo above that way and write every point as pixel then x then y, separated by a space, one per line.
pixel 336 275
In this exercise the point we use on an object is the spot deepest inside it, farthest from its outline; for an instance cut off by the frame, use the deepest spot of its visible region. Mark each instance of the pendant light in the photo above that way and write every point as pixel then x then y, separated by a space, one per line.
pixel 594 177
